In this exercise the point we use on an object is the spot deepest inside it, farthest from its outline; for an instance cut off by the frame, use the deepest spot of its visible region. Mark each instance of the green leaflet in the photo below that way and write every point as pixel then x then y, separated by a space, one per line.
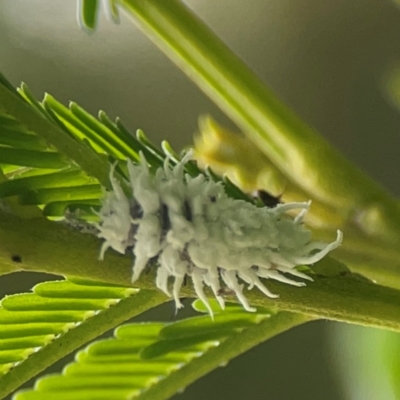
pixel 89 10
pixel 67 178
pixel 89 13
pixel 38 328
pixel 73 193
pixel 42 178
pixel 32 158
pixel 16 138
pixel 32 118
pixel 38 173
pixel 155 360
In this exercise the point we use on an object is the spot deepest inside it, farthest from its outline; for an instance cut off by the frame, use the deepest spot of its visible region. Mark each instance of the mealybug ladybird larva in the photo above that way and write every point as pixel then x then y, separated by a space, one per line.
pixel 196 230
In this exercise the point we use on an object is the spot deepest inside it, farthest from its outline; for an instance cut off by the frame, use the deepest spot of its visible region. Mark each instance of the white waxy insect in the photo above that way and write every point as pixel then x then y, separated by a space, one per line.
pixel 196 230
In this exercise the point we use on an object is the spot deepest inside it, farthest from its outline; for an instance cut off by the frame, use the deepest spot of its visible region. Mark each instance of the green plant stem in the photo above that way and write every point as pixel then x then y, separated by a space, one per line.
pixel 294 148
pixel 226 351
pixel 50 247
pixel 77 337
pixel 12 105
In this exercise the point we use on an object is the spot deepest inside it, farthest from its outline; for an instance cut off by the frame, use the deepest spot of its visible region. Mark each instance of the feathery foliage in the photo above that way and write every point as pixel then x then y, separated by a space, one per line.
pixel 154 360
pixel 41 327
pixel 55 158
pixel 40 173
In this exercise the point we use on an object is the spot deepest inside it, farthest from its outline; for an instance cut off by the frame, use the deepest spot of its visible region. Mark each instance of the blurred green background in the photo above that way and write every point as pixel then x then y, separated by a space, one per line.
pixel 331 61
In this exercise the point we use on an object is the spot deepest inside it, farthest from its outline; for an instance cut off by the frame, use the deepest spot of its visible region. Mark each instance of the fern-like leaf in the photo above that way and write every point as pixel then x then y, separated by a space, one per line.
pixel 38 328
pixel 39 171
pixel 155 360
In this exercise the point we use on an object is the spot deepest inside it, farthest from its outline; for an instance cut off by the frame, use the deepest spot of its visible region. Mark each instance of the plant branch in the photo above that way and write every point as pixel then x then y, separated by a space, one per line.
pixel 51 247
pixel 294 148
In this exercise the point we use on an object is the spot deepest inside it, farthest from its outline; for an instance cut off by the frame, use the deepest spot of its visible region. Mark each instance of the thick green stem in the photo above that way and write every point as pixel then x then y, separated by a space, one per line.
pixel 50 247
pixel 295 149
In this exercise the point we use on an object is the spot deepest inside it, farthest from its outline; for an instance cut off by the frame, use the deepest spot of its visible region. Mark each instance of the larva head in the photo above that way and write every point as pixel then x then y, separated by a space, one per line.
pixel 115 226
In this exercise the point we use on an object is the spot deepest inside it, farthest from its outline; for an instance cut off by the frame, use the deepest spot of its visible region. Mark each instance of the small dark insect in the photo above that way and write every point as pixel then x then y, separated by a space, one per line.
pixel 16 258
pixel 268 199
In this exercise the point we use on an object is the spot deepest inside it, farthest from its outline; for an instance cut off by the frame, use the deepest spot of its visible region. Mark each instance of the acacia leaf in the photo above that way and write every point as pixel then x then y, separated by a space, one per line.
pixel 148 361
pixel 39 328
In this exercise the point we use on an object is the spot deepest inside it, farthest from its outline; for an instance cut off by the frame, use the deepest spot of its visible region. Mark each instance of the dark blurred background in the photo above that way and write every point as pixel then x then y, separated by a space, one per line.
pixel 329 60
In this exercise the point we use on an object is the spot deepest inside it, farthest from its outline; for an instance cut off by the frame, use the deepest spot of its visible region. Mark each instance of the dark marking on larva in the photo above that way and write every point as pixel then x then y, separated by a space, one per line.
pixel 16 258
pixel 131 241
pixel 164 219
pixel 187 211
pixel 213 199
pixel 135 210
pixel 268 199
pixel 151 263
pixel 185 256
